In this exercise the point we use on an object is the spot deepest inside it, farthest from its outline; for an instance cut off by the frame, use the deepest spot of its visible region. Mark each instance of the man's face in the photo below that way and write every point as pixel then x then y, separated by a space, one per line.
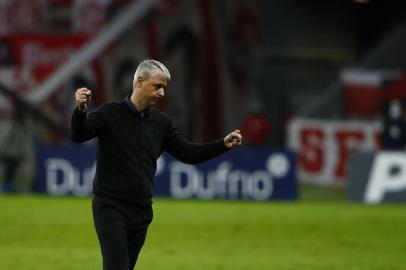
pixel 152 88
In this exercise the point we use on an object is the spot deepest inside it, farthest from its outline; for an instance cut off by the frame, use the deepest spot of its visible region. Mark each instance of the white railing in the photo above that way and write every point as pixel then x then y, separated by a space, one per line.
pixel 123 21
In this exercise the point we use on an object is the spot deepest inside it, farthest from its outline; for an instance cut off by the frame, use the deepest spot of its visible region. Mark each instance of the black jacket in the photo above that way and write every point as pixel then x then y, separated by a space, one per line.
pixel 128 145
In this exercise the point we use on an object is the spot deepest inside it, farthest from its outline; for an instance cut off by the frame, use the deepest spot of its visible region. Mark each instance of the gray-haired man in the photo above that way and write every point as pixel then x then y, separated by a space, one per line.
pixel 131 135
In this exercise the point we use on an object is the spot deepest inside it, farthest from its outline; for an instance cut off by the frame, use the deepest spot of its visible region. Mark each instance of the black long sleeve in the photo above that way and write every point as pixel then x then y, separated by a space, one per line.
pixel 128 146
pixel 85 127
pixel 189 152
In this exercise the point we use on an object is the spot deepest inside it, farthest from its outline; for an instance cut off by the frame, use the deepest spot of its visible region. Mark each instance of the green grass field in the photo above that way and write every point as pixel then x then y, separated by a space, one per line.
pixel 57 233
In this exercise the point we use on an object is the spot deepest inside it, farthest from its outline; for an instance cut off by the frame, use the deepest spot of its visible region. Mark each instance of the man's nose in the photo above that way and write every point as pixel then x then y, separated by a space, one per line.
pixel 161 92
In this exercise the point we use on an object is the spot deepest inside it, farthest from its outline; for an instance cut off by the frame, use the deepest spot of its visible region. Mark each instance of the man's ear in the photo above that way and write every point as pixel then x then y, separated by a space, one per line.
pixel 140 79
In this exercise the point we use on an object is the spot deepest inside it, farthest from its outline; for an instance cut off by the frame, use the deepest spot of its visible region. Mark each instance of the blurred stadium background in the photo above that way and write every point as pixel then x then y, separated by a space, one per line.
pixel 318 89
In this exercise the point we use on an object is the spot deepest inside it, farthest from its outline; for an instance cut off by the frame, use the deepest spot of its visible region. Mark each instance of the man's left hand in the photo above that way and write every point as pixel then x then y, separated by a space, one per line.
pixel 234 139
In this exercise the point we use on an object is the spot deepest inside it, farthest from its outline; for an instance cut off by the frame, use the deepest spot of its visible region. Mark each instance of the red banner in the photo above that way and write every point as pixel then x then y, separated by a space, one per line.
pixel 27 60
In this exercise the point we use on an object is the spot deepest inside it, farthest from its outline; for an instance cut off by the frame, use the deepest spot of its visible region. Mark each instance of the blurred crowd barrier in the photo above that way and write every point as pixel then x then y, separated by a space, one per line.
pixel 224 57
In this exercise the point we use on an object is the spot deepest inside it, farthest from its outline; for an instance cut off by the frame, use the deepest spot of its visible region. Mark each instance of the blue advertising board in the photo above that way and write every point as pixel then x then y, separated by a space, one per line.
pixel 65 170
pixel 257 174
pixel 248 174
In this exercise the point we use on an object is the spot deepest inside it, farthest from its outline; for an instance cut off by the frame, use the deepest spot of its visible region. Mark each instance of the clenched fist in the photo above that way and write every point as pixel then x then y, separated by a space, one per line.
pixel 82 96
pixel 233 139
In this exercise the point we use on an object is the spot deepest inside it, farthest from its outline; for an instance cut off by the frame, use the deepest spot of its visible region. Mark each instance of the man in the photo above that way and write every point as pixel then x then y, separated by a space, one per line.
pixel 131 136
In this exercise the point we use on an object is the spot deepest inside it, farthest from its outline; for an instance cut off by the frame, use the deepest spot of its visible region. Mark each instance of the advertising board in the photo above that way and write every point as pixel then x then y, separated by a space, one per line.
pixel 247 174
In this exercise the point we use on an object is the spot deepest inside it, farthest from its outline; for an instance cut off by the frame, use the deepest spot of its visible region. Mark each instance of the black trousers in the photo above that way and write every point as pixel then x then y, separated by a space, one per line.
pixel 121 235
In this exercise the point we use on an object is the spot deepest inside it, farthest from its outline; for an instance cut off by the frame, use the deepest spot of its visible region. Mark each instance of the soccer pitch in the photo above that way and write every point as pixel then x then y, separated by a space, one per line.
pixel 57 233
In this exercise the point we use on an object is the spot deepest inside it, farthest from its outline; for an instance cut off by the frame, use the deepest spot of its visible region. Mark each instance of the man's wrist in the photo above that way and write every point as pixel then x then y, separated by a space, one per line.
pixel 81 109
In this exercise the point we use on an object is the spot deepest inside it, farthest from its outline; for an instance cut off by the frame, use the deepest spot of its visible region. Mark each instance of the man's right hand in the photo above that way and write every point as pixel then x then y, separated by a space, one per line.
pixel 82 98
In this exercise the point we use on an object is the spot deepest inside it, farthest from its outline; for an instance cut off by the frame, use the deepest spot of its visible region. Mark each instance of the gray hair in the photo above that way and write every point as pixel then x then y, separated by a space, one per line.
pixel 147 67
